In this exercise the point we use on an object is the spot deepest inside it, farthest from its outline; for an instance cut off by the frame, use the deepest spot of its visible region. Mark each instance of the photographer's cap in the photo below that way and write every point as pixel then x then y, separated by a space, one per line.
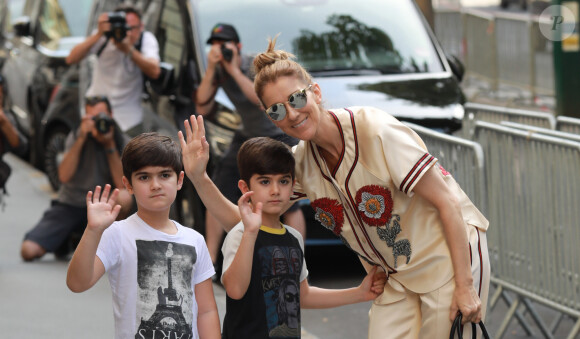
pixel 223 32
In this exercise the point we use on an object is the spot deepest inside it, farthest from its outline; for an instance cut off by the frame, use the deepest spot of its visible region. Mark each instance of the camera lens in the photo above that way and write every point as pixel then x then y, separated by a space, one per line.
pixel 227 53
pixel 118 26
pixel 103 122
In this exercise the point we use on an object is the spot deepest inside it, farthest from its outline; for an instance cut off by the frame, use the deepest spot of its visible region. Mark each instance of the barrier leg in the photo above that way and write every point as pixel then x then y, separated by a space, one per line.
pixel 556 323
pixel 519 315
pixel 545 330
pixel 575 330
pixel 508 317
pixel 495 296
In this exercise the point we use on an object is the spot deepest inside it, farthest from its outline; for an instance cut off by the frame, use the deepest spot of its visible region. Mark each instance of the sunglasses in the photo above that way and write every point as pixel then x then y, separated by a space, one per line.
pixel 298 99
pixel 92 101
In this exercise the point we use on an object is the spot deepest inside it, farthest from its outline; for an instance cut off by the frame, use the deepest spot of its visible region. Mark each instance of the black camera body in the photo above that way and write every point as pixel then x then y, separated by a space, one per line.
pixel 227 53
pixel 103 122
pixel 119 26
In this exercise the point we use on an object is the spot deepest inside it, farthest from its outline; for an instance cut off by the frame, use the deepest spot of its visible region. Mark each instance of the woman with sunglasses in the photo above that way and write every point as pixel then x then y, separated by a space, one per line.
pixel 371 180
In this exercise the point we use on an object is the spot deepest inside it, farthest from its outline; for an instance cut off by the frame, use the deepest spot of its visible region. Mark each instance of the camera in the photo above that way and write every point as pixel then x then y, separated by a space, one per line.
pixel 103 122
pixel 119 26
pixel 227 53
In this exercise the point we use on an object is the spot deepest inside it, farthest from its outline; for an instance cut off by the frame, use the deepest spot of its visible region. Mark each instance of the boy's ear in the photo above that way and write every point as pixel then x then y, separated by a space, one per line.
pixel 243 186
pixel 180 180
pixel 127 185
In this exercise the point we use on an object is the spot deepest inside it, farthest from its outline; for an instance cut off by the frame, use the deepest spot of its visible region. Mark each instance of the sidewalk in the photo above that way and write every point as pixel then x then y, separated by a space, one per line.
pixel 34 299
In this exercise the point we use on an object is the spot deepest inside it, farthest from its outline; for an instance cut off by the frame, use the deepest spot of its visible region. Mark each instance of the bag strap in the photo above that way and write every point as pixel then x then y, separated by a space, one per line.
pixel 456 328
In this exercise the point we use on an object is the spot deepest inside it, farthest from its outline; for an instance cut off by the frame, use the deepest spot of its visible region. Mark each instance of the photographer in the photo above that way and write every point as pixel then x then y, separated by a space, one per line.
pixel 92 157
pixel 228 69
pixel 122 62
pixel 11 140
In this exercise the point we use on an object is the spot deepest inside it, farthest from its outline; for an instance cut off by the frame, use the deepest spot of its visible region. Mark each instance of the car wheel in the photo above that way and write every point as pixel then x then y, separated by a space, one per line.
pixel 504 3
pixel 53 154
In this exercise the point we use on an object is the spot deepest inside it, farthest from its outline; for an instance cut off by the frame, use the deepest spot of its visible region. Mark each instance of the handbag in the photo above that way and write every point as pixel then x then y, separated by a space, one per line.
pixel 456 328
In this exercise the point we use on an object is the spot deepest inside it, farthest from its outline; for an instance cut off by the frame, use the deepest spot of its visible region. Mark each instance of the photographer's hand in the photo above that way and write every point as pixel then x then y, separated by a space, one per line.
pixel 103 24
pixel 70 160
pixel 233 65
pixel 80 51
pixel 214 56
pixel 205 94
pixel 124 46
pixel 8 131
pixel 87 126
pixel 113 156
pixel 105 139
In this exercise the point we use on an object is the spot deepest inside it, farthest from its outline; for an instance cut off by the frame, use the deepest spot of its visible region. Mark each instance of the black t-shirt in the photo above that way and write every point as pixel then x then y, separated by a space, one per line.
pixel 271 306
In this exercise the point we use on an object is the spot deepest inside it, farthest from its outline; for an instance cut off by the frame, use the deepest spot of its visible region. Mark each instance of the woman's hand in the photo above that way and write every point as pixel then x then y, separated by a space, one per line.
pixel 466 301
pixel 194 148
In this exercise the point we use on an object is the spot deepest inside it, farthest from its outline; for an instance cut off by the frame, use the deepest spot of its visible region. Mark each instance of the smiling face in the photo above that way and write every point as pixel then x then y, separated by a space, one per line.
pixel 300 123
pixel 154 187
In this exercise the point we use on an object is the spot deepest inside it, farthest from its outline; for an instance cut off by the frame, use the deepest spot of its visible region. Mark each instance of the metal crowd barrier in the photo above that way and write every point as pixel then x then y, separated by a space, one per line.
pixel 499 48
pixel 480 43
pixel 544 131
pixel 449 31
pixel 533 193
pixel 480 112
pixel 568 124
pixel 513 49
pixel 462 158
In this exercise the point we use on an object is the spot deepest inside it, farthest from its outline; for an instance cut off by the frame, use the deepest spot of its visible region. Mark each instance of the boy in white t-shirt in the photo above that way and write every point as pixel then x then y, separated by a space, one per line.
pixel 160 271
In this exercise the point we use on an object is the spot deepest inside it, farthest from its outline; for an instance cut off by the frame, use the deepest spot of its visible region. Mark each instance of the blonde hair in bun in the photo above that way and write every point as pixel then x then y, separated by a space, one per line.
pixel 273 64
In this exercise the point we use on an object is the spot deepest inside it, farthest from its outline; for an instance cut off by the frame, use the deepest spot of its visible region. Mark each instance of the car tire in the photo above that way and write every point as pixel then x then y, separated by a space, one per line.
pixel 504 3
pixel 53 153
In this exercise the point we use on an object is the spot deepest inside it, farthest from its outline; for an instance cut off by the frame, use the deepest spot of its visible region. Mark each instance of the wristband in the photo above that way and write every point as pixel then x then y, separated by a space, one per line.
pixel 130 53
pixel 110 150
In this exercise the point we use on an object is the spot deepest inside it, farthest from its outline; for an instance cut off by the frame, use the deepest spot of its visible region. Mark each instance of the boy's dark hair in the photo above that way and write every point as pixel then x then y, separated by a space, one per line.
pixel 151 149
pixel 128 8
pixel 264 155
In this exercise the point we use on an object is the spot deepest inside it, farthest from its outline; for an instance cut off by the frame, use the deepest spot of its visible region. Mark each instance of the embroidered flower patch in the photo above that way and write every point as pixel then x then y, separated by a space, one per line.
pixel 375 205
pixel 329 213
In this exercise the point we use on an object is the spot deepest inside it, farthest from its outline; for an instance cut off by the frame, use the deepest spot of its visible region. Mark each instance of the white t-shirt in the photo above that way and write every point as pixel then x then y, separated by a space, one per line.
pixel 121 80
pixel 153 276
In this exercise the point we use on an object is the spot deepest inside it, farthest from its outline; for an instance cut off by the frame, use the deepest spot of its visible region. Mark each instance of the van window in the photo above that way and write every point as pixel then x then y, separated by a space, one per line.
pixel 15 10
pixel 61 19
pixel 329 36
pixel 170 35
